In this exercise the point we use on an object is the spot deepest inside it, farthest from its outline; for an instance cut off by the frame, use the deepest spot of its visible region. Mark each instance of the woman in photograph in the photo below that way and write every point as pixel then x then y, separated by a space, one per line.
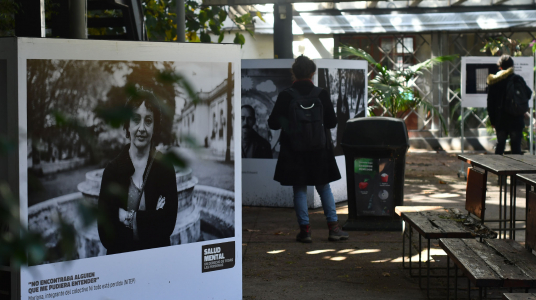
pixel 138 198
pixel 300 169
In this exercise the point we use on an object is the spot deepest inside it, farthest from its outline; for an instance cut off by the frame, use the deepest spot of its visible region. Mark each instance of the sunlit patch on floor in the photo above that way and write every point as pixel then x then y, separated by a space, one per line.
pixel 424 255
pixel 361 251
pixel 320 251
pixel 338 258
pixel 276 251
pixel 445 195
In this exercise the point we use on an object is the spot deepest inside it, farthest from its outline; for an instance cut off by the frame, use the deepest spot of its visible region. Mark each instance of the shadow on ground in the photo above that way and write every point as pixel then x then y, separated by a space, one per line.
pixel 369 264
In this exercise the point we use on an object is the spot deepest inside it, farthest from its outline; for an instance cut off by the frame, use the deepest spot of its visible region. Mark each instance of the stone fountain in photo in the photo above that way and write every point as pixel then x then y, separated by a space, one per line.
pixel 204 213
pixel 188 225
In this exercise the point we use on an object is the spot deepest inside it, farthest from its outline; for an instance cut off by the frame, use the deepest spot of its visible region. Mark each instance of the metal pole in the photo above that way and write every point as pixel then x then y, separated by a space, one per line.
pixel 181 22
pixel 531 125
pixel 283 31
pixel 531 131
pixel 77 19
pixel 462 171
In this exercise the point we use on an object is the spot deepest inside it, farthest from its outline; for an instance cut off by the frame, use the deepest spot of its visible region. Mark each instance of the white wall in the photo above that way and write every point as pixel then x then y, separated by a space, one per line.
pixel 259 46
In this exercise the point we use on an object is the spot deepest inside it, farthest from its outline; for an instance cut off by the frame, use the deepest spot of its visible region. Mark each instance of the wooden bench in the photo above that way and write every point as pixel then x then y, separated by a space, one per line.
pixel 495 263
pixel 519 296
pixel 435 222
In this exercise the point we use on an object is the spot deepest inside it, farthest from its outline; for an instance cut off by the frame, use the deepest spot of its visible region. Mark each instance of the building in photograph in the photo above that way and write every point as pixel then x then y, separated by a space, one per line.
pixel 207 121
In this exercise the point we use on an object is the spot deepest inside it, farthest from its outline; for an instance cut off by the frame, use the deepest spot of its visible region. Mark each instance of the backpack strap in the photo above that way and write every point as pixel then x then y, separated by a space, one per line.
pixel 315 92
pixel 294 93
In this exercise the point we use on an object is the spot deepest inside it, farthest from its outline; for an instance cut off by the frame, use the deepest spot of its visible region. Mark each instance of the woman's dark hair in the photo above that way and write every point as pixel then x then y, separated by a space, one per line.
pixel 505 62
pixel 152 104
pixel 303 67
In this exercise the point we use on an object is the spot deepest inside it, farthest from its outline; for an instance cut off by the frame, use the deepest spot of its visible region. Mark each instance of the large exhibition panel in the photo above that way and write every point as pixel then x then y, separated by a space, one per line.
pixel 262 81
pixel 62 96
pixel 475 71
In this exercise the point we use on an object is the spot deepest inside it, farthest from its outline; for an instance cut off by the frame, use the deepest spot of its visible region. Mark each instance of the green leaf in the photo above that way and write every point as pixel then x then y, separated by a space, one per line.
pixel 6 145
pixel 220 38
pixel 203 17
pixel 205 37
pixel 259 15
pixel 214 26
pixel 239 39
pixel 349 52
pixel 432 61
pixel 223 15
pixel 114 116
pixel 192 26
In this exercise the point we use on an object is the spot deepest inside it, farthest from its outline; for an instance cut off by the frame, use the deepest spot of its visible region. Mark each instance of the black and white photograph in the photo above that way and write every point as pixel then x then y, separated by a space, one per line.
pixel 477 75
pixel 475 71
pixel 149 144
pixel 260 88
pixel 347 88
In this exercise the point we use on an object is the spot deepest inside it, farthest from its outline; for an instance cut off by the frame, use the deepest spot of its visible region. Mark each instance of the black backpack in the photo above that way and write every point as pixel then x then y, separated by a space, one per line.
pixel 306 121
pixel 518 95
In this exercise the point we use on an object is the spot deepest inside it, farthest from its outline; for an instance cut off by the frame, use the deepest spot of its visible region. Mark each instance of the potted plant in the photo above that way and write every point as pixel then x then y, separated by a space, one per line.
pixel 394 90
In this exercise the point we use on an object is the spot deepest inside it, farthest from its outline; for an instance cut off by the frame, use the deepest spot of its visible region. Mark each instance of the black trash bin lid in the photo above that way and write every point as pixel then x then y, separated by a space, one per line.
pixel 375 132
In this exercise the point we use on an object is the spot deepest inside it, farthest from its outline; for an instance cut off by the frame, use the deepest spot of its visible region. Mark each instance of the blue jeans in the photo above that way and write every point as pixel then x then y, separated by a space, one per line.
pixel 300 203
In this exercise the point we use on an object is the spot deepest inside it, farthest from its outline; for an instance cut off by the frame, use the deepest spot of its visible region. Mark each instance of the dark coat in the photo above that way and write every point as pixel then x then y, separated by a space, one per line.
pixel 501 120
pixel 304 168
pixel 154 226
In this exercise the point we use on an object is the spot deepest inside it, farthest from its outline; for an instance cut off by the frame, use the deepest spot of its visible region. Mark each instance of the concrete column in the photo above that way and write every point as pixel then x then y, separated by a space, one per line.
pixel 77 19
pixel 181 21
pixel 283 31
pixel 30 18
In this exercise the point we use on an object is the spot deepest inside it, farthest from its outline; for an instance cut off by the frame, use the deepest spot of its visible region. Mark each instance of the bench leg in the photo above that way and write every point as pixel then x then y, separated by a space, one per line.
pixel 480 293
pixel 410 246
pixel 514 208
pixel 505 210
pixel 404 245
pixel 455 281
pixel 448 277
pixel 428 271
pixel 420 250
pixel 500 204
pixel 468 288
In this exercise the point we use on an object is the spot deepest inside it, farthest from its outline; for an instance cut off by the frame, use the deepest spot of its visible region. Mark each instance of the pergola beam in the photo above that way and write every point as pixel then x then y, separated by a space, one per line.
pixel 414 3
pixel 456 2
pixel 372 4
pixel 252 2
pixel 498 2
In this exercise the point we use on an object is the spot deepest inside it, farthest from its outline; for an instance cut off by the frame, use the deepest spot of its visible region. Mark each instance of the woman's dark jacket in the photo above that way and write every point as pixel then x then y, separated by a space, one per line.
pixel 304 168
pixel 154 226
pixel 501 120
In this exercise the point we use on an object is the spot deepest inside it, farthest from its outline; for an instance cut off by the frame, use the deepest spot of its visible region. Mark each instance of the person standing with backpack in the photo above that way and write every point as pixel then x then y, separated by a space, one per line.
pixel 507 103
pixel 305 115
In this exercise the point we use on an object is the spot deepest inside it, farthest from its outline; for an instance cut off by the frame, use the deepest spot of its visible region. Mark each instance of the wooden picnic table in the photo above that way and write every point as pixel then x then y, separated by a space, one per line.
pixel 503 166
pixel 519 296
pixel 493 262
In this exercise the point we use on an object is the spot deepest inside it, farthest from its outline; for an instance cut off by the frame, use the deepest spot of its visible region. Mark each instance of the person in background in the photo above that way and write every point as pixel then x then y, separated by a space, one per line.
pixel 311 168
pixel 253 145
pixel 505 124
